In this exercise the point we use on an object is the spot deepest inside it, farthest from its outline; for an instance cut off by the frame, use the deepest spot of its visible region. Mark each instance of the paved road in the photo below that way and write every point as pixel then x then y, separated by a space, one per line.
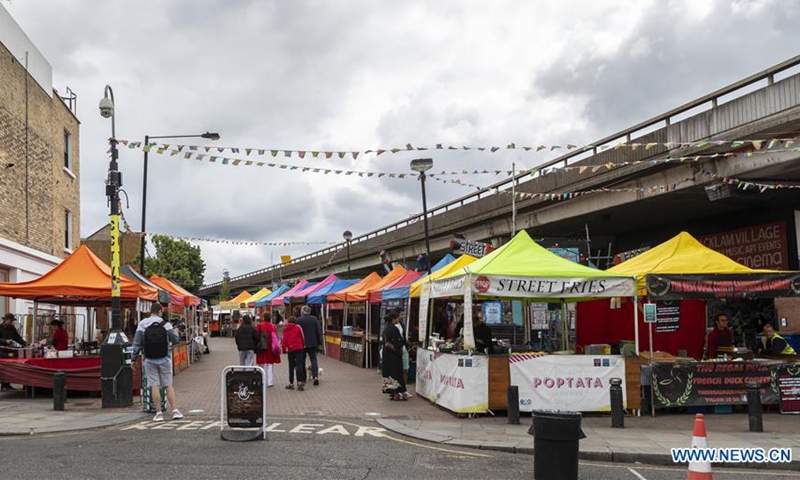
pixel 301 448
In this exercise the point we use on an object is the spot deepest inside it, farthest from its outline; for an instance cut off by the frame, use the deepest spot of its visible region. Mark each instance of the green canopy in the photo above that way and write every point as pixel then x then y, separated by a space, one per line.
pixel 524 269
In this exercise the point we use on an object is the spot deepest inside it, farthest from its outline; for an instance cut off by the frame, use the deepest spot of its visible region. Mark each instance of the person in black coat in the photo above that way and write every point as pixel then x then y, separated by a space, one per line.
pixel 313 335
pixel 392 367
pixel 247 342
pixel 9 333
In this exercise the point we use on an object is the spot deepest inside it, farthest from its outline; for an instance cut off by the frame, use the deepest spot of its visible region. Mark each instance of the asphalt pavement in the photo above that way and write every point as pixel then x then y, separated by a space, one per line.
pixel 305 447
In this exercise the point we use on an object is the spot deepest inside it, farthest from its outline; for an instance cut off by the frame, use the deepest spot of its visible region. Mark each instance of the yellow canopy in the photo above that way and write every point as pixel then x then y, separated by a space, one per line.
pixel 256 296
pixel 234 302
pixel 681 255
pixel 460 262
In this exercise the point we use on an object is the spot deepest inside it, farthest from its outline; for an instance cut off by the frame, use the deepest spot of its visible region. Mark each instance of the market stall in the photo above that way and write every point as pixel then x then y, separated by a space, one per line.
pixel 265 304
pixel 677 279
pixel 332 328
pixel 519 270
pixel 351 332
pixel 184 351
pixel 81 279
pixel 250 301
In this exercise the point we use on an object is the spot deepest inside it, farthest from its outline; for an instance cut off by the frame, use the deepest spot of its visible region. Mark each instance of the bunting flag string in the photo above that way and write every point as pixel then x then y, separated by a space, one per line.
pixel 129 231
pixel 756 144
pixel 581 169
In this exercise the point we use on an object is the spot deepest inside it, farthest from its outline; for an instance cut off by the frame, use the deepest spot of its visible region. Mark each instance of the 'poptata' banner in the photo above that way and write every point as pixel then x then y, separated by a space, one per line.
pixel 550 287
pixel 462 383
pixel 425 384
pixel 566 382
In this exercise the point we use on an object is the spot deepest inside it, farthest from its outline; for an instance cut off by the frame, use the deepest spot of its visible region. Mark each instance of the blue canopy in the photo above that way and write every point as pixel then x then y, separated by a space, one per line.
pixel 265 302
pixel 403 292
pixel 321 296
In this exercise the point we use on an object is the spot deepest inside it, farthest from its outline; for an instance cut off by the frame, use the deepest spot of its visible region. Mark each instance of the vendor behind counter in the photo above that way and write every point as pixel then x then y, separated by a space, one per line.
pixel 720 338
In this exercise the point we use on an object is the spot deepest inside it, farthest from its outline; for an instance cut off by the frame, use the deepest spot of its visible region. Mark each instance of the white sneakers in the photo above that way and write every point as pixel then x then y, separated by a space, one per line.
pixel 176 415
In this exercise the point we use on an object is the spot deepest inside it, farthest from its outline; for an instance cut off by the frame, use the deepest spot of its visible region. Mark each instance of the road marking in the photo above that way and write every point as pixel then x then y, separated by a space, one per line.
pixel 335 429
pixel 305 428
pixel 638 475
pixel 727 471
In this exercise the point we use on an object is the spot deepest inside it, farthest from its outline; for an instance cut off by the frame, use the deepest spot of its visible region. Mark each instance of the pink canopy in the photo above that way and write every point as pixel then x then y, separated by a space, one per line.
pixel 280 299
pixel 309 289
pixel 376 296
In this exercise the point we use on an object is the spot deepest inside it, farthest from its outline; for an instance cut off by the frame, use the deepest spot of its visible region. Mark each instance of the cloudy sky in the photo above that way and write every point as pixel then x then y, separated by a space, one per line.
pixel 358 75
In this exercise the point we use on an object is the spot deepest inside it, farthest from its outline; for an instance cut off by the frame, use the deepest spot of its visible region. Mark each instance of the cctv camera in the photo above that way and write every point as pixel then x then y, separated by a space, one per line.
pixel 106 107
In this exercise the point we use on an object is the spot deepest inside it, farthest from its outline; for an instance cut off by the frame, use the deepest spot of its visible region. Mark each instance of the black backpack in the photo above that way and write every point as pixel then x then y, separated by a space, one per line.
pixel 156 343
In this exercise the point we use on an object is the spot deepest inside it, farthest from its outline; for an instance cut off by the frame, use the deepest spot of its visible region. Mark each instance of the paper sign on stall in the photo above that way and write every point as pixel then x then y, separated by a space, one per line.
pixel 462 382
pixel 424 300
pixel 425 383
pixel 566 382
pixel 469 334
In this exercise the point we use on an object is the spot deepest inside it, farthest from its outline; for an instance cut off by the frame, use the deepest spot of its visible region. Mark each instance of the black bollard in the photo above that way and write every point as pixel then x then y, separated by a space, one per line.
pixel 59 391
pixel 555 445
pixel 617 410
pixel 754 407
pixel 513 405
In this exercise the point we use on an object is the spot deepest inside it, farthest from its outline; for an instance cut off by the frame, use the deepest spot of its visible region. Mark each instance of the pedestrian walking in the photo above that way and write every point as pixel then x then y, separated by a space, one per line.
pixel 154 336
pixel 247 342
pixel 293 344
pixel 269 356
pixel 392 367
pixel 313 336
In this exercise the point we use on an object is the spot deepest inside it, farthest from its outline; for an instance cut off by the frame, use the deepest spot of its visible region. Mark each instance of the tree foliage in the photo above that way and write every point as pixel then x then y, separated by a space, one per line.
pixel 178 261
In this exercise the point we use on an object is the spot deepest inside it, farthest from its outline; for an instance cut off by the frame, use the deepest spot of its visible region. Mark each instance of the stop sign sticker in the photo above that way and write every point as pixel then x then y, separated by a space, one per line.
pixel 482 284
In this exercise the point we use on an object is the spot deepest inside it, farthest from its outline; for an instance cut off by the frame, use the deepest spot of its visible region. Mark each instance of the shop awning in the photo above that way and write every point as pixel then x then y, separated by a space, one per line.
pixel 321 296
pixel 247 302
pixel 284 299
pixel 682 267
pixel 363 295
pixel 416 288
pixel 377 295
pixel 524 269
pixel 365 283
pixel 266 301
pixel 80 279
pixel 235 301
pixel 130 272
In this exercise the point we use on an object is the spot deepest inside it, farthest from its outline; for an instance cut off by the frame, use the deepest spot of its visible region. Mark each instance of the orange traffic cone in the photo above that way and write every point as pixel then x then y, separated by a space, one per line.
pixel 699 470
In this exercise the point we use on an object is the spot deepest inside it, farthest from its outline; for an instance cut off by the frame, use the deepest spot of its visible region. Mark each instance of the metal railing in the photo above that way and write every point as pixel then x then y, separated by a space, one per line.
pixel 711 98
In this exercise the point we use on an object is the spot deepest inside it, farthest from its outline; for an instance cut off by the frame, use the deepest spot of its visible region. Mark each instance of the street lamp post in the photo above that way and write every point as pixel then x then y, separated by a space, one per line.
pixel 115 372
pixel 348 235
pixel 147 138
pixel 422 165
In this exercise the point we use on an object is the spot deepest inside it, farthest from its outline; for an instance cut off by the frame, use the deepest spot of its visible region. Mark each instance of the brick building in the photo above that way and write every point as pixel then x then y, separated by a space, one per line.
pixel 39 165
pixel 100 244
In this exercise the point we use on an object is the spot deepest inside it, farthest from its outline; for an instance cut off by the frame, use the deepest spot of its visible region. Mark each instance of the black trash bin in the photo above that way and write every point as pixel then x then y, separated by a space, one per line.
pixel 555 445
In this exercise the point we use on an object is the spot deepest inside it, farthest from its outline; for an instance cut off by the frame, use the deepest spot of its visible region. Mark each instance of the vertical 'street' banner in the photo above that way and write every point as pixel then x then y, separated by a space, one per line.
pixel 469 335
pixel 424 300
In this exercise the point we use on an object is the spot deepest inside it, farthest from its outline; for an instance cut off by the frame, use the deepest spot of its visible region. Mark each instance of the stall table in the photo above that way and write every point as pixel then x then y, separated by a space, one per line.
pixel 333 340
pixel 83 373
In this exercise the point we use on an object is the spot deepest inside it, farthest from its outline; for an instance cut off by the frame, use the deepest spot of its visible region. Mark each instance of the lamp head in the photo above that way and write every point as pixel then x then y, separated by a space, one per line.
pixel 210 136
pixel 347 235
pixel 106 107
pixel 421 164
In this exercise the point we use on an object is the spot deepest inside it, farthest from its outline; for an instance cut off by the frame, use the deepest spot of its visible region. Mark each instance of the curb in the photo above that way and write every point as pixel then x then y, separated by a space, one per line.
pixel 660 459
pixel 27 431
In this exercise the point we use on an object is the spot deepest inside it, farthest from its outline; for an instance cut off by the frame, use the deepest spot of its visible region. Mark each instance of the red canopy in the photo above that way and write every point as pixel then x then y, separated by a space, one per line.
pixel 185 299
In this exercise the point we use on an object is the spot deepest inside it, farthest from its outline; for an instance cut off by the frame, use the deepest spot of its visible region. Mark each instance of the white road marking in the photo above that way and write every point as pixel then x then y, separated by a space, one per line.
pixel 305 428
pixel 638 475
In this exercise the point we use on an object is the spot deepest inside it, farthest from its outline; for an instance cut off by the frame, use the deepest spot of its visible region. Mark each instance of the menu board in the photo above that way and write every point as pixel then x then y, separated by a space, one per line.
pixel 244 397
pixel 789 388
pixel 668 316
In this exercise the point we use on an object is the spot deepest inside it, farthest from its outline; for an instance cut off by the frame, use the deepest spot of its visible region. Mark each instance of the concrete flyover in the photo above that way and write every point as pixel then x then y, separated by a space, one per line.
pixel 620 218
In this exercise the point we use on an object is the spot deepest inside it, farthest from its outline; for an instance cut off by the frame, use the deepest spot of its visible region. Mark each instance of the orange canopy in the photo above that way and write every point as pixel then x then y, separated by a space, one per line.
pixel 235 301
pixel 175 290
pixel 81 279
pixel 367 282
pixel 363 294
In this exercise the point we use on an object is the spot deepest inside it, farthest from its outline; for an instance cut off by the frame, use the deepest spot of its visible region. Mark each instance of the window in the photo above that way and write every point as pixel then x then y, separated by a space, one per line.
pixel 5 302
pixel 67 150
pixel 67 230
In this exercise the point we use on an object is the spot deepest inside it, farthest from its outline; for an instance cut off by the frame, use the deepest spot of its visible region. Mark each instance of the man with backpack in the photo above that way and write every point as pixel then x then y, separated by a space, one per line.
pixel 154 336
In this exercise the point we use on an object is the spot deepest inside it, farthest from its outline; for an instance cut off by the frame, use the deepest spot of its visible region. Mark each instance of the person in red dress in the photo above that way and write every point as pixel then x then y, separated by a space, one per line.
pixel 272 355
pixel 60 336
